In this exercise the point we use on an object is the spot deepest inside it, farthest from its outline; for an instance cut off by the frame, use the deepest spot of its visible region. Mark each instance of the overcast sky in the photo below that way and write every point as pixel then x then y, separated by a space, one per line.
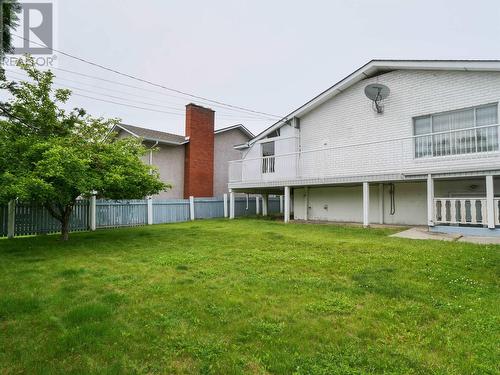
pixel 270 56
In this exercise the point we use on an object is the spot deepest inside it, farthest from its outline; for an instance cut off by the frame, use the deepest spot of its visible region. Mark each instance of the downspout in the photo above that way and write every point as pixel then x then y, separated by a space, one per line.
pixel 151 156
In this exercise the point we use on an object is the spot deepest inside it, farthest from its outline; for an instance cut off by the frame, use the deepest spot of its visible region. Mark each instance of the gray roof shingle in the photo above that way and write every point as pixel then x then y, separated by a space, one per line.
pixel 154 135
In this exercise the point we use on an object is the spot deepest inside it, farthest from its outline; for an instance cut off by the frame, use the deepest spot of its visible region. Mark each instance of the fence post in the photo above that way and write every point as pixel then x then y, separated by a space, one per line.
pixel 191 207
pixel 150 210
pixel 226 211
pixel 257 205
pixel 231 204
pixel 11 219
pixel 93 213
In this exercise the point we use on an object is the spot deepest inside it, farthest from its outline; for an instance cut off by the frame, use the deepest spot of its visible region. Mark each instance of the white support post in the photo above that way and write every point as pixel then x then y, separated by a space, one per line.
pixel 226 208
pixel 11 219
pixel 366 204
pixel 150 210
pixel 231 204
pixel 191 207
pixel 265 202
pixel 93 212
pixel 306 203
pixel 490 203
pixel 430 200
pixel 281 204
pixel 287 204
pixel 257 205
pixel 381 203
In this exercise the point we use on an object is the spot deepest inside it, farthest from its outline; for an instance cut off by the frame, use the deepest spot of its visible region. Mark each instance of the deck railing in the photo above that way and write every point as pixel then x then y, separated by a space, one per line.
pixel 401 155
pixel 464 210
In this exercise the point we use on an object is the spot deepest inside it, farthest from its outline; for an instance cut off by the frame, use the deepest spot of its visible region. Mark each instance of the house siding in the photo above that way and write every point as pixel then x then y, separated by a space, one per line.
pixel 349 119
pixel 223 153
pixel 345 203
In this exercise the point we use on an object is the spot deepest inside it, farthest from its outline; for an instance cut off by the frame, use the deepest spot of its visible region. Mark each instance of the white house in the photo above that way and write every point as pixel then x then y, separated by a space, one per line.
pixel 428 156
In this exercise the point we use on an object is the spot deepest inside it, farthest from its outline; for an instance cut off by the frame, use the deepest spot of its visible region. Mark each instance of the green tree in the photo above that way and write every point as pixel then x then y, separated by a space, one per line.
pixel 53 156
pixel 9 17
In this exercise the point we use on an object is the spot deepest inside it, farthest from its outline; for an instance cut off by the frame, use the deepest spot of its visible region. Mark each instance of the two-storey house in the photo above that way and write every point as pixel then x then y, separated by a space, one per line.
pixel 426 152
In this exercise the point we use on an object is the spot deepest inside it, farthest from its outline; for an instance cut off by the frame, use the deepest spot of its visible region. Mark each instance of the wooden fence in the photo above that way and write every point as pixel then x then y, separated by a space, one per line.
pixel 33 219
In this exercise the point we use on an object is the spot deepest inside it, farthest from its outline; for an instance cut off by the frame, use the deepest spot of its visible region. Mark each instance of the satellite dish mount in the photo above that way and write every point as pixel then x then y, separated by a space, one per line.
pixel 377 92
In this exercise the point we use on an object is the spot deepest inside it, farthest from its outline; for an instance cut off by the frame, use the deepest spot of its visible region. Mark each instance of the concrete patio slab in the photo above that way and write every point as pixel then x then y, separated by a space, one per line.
pixel 481 240
pixel 422 233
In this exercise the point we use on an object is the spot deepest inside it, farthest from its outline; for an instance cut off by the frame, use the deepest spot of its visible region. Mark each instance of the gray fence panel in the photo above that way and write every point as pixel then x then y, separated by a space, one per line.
pixel 170 211
pixel 274 205
pixel 32 218
pixel 206 208
pixel 3 220
pixel 124 213
pixel 241 208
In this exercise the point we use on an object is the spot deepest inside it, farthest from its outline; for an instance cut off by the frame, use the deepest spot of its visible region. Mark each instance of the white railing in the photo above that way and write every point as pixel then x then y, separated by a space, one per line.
pixel 401 155
pixel 461 210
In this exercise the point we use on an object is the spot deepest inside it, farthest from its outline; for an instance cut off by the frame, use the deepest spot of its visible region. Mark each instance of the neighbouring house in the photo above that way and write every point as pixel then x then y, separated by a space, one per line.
pixel 195 164
pixel 395 142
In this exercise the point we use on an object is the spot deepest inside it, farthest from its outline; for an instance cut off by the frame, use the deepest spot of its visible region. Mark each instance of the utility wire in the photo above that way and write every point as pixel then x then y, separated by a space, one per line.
pixel 145 80
pixel 263 117
pixel 181 113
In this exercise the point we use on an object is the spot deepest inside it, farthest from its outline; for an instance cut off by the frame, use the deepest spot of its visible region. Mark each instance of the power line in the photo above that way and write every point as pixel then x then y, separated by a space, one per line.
pixel 147 81
pixel 133 101
pixel 264 117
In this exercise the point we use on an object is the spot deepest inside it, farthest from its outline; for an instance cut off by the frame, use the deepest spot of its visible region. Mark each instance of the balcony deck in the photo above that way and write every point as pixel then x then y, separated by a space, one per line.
pixel 460 151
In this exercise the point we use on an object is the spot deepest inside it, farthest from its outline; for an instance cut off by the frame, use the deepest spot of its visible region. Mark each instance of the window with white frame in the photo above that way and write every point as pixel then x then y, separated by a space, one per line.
pixel 464 131
pixel 268 157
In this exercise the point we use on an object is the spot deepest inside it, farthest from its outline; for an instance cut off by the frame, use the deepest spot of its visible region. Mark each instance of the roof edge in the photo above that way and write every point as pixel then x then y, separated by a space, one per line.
pixel 372 67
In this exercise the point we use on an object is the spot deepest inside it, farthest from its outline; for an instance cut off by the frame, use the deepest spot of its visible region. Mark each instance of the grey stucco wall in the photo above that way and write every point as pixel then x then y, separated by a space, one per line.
pixel 170 162
pixel 223 153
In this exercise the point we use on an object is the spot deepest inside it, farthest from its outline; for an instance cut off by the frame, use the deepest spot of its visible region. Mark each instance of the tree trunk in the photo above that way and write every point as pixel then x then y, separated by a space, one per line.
pixel 65 229
pixel 65 222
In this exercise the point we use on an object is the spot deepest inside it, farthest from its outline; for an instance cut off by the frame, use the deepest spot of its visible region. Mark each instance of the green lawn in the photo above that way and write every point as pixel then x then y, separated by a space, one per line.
pixel 247 296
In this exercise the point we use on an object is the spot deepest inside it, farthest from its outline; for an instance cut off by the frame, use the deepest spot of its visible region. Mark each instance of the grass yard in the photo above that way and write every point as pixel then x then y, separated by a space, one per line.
pixel 248 296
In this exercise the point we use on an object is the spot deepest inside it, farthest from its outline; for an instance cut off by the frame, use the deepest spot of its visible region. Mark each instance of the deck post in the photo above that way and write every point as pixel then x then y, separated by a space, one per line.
pixel 231 204
pixel 366 204
pixel 306 203
pixel 265 202
pixel 226 210
pixel 93 212
pixel 381 203
pixel 11 219
pixel 257 205
pixel 287 204
pixel 490 203
pixel 430 200
pixel 281 204
pixel 191 207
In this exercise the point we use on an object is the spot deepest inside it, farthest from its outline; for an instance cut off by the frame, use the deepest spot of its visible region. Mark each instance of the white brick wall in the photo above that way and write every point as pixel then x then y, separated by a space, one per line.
pixel 349 119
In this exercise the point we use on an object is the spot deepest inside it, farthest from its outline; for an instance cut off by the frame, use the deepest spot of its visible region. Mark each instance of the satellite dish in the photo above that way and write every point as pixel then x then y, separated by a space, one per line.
pixel 377 92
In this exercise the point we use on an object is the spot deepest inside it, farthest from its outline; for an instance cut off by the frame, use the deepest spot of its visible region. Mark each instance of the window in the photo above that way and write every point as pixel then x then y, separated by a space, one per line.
pixel 458 132
pixel 268 157
pixel 275 133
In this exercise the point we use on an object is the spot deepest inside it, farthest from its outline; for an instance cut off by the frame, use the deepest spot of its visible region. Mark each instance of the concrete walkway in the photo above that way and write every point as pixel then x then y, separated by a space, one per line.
pixel 422 233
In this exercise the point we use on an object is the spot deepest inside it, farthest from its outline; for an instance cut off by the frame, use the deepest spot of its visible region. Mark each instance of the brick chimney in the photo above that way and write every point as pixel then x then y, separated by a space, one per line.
pixel 199 158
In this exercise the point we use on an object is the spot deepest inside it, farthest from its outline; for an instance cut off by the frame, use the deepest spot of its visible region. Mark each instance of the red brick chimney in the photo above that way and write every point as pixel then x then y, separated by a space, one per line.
pixel 199 158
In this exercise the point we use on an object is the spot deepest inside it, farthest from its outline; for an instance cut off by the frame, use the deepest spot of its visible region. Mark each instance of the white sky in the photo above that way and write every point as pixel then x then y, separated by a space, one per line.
pixel 271 56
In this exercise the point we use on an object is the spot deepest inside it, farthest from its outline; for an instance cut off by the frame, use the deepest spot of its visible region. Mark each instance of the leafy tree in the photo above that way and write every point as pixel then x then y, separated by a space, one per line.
pixel 9 18
pixel 53 156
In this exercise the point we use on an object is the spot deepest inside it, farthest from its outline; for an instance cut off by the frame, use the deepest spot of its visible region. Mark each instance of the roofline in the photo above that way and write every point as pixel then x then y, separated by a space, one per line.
pixel 186 140
pixel 237 126
pixel 371 68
